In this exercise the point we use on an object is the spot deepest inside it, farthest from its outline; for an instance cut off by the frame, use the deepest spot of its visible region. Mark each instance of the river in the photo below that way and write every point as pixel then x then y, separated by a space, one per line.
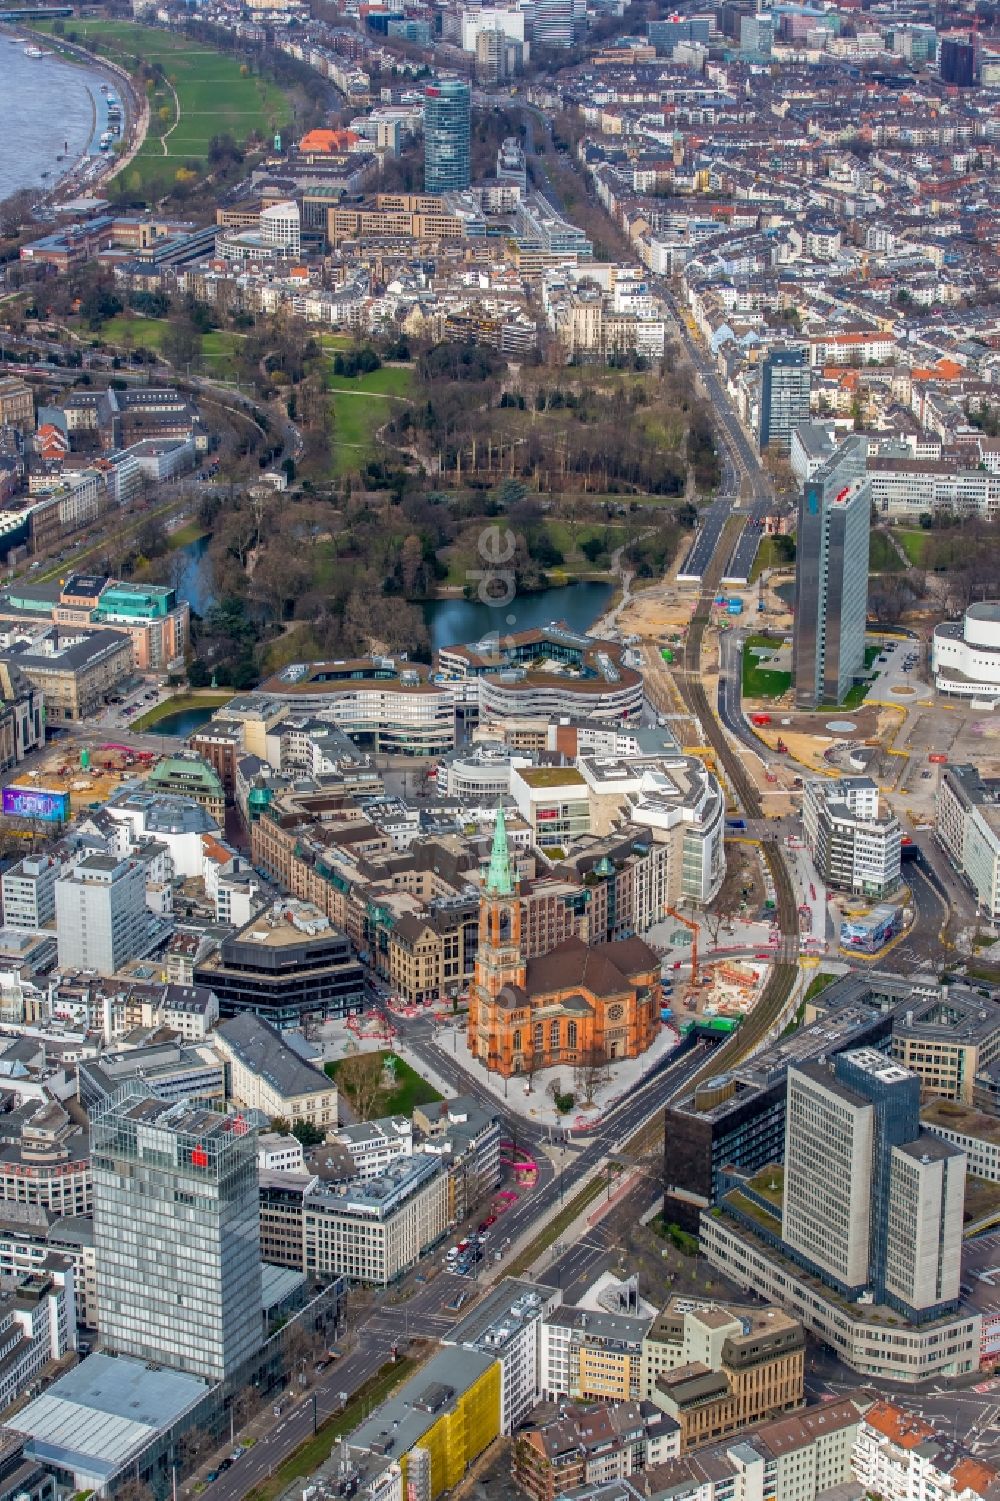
pixel 449 621
pixel 48 108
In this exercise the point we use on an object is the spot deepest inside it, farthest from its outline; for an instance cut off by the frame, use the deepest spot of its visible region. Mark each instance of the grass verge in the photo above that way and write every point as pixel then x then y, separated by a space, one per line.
pixel 185 535
pixel 555 1227
pixel 209 699
pixel 317 1449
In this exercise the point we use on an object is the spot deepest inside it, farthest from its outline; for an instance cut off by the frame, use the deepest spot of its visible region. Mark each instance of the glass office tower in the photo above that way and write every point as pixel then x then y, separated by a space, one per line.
pixel 446 136
pixel 831 577
pixel 177 1234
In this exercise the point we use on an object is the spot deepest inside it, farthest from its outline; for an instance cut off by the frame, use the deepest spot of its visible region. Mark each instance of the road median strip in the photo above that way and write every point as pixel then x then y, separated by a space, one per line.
pixel 317 1448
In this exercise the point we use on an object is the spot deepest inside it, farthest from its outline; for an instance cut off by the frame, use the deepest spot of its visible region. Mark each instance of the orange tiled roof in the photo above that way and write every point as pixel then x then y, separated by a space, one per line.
pixel 898 1424
pixel 328 141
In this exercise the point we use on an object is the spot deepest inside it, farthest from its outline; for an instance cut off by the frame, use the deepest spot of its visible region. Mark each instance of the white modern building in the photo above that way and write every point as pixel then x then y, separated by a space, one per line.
pixel 968 828
pixel 280 226
pixel 507 1325
pixel 855 845
pixel 374 1230
pixel 965 655
pixel 374 1144
pixel 102 919
pixel 29 892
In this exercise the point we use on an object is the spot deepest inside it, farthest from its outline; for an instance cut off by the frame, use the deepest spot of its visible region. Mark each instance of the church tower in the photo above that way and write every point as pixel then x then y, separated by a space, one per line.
pixel 499 961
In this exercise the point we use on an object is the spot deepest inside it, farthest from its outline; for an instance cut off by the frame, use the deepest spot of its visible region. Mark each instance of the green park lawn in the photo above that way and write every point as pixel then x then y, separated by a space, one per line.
pixel 212 97
pixel 762 682
pixel 411 1090
pixel 914 544
pixel 882 556
pixel 360 406
pixel 217 346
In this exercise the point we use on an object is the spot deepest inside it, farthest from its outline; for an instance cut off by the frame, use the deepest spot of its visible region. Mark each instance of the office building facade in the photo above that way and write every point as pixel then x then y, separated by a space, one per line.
pixel 177 1235
pixel 871 1202
pixel 854 846
pixel 831 578
pixel 784 396
pixel 101 915
pixel 447 131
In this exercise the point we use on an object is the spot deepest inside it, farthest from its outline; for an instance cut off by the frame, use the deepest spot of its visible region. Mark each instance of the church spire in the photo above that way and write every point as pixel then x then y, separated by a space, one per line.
pixel 500 877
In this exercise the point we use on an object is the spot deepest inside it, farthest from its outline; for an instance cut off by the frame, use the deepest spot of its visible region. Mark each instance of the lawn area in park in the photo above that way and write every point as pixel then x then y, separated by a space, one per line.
pixel 360 406
pixel 204 93
pixel 409 1092
pixel 391 380
pixel 217 346
pixel 914 544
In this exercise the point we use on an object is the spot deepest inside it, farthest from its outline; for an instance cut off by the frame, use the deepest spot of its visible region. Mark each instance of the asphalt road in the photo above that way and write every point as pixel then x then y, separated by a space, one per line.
pixel 712 521
pixel 423 1309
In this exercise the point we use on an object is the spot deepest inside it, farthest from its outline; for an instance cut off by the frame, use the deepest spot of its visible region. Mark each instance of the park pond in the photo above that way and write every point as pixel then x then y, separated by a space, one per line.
pixel 449 621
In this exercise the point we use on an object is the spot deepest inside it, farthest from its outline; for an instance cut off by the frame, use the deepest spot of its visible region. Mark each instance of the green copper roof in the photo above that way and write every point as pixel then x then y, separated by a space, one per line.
pixel 500 878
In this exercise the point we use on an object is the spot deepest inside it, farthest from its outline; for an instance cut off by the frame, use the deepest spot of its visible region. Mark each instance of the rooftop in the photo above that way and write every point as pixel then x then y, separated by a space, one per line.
pixel 103 1411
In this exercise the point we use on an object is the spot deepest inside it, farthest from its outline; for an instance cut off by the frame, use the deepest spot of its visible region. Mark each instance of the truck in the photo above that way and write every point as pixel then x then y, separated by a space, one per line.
pixel 734 607
pixel 736 823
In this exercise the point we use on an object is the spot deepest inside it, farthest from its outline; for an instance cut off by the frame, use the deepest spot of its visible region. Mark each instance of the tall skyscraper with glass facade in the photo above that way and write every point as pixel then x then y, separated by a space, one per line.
pixel 177 1234
pixel 447 127
pixel 831 577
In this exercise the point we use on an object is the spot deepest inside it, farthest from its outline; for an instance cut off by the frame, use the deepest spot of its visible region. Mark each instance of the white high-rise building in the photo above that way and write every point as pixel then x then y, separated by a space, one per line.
pixel 102 919
pixel 280 226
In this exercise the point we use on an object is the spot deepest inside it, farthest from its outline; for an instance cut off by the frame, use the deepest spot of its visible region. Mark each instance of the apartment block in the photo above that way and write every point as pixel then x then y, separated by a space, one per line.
pixel 590 1446
pixel 507 1325
pixel 968 827
pixel 591 1356
pixel 855 845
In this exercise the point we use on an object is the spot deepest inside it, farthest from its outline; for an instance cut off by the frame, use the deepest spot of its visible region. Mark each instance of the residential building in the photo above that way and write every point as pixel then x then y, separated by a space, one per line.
pixel 438 1422
pixel 374 1230
pixel 446 136
pixel 885 1216
pixel 288 964
pixel 277 1154
pixel 898 1453
pixel 968 827
pixel 586 1446
pixel 102 919
pixel 37 1325
pixel 29 1235
pixel 268 1075
pixel 17 404
pixel 716 1369
pixel 855 845
pixel 466 1139
pixel 591 1357
pixel 29 892
pixel 22 716
pixel 374 1144
pixel 574 1003
pixel 831 578
pixel 784 390
pixel 44 1158
pixel 507 1325
pixel 177 1232
pixel 800 1457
